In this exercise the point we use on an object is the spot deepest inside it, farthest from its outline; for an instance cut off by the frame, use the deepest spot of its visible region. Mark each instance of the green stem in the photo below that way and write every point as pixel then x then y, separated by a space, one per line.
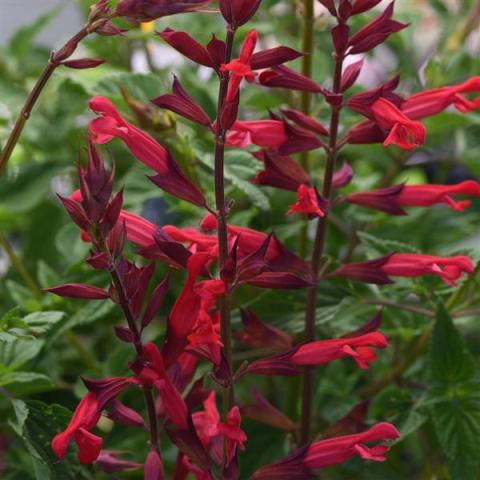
pixel 20 267
pixel 318 247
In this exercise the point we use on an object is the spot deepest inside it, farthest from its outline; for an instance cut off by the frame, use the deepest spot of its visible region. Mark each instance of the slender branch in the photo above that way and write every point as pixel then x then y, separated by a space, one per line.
pixel 20 267
pixel 32 98
pixel 400 306
pixel 137 341
pixel 318 247
pixel 224 301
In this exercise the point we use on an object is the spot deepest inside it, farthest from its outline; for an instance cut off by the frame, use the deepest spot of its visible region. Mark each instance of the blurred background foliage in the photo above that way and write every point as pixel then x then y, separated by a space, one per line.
pixel 427 385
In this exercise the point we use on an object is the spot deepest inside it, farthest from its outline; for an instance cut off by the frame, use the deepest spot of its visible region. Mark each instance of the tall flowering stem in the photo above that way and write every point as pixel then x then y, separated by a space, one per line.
pixel 222 213
pixel 318 247
pixel 102 247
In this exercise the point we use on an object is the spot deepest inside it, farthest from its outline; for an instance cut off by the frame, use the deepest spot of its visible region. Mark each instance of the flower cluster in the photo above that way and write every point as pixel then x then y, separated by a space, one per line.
pixel 219 257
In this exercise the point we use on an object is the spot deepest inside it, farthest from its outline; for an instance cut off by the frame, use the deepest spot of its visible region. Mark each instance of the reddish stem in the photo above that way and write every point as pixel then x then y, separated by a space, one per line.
pixel 318 247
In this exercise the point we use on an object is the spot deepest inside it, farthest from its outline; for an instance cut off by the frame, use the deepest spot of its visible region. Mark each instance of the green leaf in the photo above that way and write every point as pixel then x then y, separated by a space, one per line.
pixel 21 42
pixel 27 188
pixel 457 424
pixel 13 355
pixel 46 275
pixel 41 322
pixel 379 246
pixel 88 314
pixel 450 362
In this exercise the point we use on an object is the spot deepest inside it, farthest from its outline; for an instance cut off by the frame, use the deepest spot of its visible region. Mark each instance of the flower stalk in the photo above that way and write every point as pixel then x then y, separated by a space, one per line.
pixel 222 213
pixel 318 247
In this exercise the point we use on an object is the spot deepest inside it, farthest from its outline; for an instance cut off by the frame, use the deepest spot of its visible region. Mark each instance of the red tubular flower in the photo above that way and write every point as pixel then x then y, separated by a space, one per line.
pixel 170 178
pixel 280 171
pixel 240 68
pixel 449 269
pixel 190 48
pixel 153 372
pixel 401 130
pixel 305 121
pixel 342 176
pixel 183 104
pixel 184 313
pixel 110 462
pixel 309 202
pixel 211 430
pixel 332 451
pixel 238 12
pixel 433 101
pixel 360 6
pixel 284 77
pixel 77 290
pixel 320 352
pixel 84 418
pixel 264 133
pixel 148 10
pixel 375 33
pixel 392 199
pixel 153 468
pixel 324 351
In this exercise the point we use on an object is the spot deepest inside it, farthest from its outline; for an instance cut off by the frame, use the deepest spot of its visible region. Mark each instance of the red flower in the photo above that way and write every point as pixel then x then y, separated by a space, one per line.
pixel 284 77
pixel 264 133
pixel 324 351
pixel 280 171
pixel 309 202
pixel 153 372
pixel 321 352
pixel 337 450
pixel 205 336
pixel 180 102
pixel 84 418
pixel 400 129
pixel 392 199
pixel 332 451
pixel 148 10
pixel 449 269
pixel 375 32
pixel 211 430
pixel 433 101
pixel 240 67
pixel 170 178
pixel 427 195
pixel 185 311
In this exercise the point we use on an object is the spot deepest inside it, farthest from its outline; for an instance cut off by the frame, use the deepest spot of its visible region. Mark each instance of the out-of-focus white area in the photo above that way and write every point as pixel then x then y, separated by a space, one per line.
pixel 17 13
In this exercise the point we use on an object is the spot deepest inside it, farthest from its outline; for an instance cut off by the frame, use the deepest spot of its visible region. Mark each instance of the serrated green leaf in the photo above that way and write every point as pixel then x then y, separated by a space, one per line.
pixel 378 246
pixel 457 424
pixel 41 322
pixel 450 362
